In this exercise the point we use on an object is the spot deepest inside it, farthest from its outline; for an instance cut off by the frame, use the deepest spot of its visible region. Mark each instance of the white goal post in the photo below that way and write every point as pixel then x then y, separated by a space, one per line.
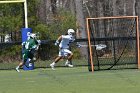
pixel 25 8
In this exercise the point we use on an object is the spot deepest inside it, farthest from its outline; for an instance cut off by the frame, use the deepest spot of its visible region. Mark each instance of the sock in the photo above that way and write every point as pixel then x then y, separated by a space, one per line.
pixel 53 63
pixel 17 67
pixel 67 62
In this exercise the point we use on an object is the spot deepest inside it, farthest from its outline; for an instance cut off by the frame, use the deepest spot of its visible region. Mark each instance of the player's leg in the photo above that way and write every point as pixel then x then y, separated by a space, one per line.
pixel 24 59
pixel 31 56
pixel 20 65
pixel 69 57
pixel 56 60
pixel 61 53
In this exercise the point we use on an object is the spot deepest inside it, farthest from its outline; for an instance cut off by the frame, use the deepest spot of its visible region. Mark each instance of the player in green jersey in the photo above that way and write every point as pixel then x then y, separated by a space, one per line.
pixel 29 48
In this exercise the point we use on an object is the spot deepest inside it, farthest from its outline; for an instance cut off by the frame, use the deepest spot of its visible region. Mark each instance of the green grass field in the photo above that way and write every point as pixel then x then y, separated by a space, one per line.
pixel 70 80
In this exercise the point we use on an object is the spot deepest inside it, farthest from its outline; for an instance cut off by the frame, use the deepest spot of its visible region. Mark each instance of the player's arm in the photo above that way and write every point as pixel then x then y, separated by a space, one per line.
pixel 38 43
pixel 57 41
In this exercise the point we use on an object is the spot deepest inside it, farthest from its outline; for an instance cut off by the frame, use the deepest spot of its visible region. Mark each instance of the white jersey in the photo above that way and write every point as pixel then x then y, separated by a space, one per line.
pixel 66 40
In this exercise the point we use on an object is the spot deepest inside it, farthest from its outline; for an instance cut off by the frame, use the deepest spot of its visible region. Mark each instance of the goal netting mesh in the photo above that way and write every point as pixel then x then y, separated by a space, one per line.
pixel 119 34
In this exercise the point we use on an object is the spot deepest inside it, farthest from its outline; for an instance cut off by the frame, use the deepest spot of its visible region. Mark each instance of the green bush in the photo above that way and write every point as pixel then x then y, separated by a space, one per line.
pixel 12 53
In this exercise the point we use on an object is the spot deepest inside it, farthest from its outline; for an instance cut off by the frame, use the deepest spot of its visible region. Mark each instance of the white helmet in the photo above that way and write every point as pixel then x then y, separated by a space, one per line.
pixel 71 31
pixel 33 35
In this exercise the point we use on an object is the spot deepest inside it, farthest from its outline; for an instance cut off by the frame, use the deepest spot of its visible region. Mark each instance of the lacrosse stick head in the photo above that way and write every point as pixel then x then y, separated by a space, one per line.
pixel 100 46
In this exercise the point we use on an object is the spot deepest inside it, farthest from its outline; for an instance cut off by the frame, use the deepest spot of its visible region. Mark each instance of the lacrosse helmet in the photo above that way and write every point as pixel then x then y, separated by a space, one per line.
pixel 71 31
pixel 33 35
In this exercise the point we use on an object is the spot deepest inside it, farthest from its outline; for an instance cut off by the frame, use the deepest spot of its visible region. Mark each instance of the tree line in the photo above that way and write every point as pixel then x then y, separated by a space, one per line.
pixel 53 17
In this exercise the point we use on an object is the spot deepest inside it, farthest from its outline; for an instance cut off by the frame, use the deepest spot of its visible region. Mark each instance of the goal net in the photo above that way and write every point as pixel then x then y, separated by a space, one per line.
pixel 121 37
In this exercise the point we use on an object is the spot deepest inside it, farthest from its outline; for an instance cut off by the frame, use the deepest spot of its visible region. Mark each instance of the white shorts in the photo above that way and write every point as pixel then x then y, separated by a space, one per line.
pixel 64 52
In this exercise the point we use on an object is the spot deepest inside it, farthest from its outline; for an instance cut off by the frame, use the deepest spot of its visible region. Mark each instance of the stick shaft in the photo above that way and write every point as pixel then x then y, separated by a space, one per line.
pixel 87 45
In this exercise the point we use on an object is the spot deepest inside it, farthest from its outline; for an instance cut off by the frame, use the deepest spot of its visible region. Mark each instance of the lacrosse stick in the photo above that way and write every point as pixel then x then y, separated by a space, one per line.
pixel 98 46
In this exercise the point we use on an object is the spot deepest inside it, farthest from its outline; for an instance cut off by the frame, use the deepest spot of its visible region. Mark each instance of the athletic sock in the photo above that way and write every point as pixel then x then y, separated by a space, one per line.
pixel 67 62
pixel 17 67
pixel 53 63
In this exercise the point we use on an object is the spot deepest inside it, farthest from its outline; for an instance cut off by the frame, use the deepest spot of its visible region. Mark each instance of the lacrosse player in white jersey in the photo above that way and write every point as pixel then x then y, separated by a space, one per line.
pixel 64 44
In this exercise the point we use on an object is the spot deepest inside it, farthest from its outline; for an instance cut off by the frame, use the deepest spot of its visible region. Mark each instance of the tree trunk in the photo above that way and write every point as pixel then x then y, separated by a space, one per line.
pixel 134 7
pixel 80 18
pixel 44 10
pixel 41 11
pixel 72 8
pixel 81 24
pixel 53 6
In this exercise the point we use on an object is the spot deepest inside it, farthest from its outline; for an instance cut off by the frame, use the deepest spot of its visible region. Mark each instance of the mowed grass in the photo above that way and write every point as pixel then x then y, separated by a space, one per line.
pixel 70 80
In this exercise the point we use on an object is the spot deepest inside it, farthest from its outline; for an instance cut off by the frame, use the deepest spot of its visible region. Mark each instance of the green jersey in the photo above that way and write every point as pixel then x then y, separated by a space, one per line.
pixel 31 44
pixel 29 47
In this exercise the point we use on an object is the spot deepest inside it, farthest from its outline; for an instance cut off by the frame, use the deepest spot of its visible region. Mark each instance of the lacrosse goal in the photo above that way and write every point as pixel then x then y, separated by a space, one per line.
pixel 120 35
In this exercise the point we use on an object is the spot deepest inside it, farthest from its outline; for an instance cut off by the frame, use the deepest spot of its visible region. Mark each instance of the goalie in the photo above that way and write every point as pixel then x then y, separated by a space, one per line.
pixel 64 42
pixel 29 48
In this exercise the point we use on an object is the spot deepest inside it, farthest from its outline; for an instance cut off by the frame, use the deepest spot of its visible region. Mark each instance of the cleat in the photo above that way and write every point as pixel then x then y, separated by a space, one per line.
pixel 69 65
pixel 52 66
pixel 66 64
pixel 17 69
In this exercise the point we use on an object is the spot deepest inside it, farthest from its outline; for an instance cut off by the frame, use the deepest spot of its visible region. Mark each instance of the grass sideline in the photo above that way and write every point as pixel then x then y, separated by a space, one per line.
pixel 70 80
